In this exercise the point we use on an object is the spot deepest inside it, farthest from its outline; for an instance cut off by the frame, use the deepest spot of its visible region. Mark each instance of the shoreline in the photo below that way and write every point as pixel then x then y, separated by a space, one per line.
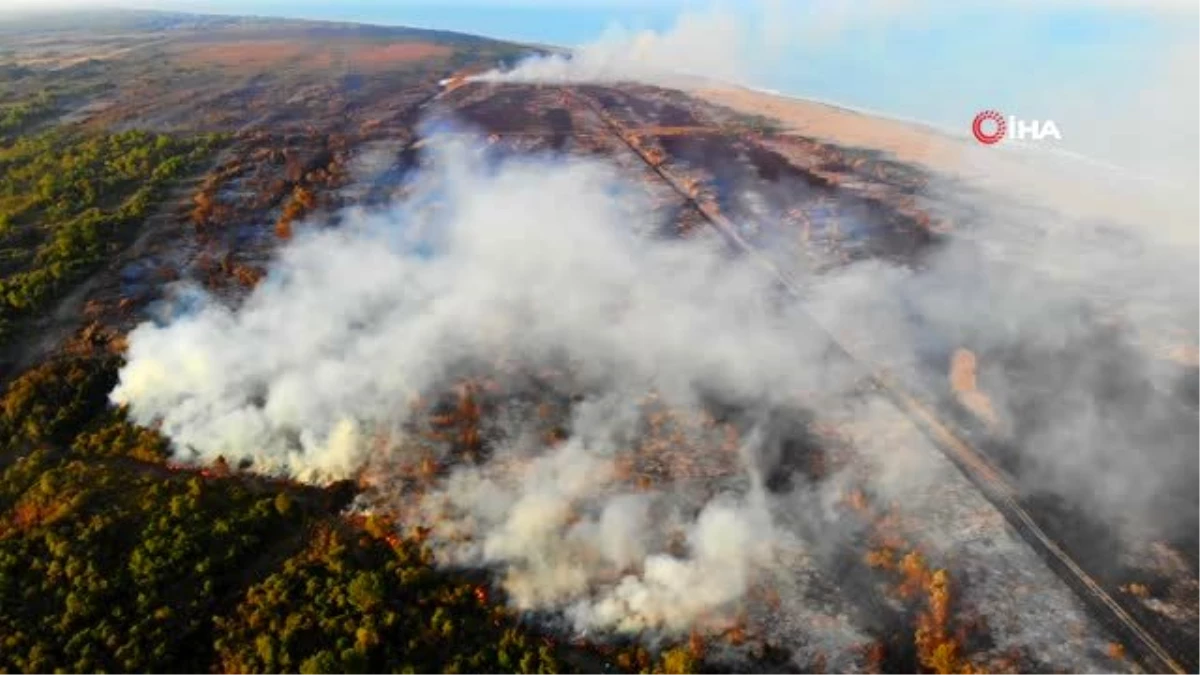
pixel 854 110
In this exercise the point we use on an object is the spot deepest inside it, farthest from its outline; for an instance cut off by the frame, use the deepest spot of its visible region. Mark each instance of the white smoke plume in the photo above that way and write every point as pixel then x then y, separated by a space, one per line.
pixel 353 322
pixel 709 44
pixel 324 357
pixel 569 538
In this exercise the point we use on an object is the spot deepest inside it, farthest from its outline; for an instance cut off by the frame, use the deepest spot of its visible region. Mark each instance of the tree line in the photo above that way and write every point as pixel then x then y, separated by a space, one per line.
pixel 114 559
pixel 69 200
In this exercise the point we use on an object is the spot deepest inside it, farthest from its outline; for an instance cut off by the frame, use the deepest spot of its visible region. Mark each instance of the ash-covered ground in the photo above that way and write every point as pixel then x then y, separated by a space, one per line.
pixel 549 252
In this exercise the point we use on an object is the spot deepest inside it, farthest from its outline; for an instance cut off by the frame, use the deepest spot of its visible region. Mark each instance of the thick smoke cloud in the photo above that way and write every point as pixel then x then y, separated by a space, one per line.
pixel 481 266
pixel 319 364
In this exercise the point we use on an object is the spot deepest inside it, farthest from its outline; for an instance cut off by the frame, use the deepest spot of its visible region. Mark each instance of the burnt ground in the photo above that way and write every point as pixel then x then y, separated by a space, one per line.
pixel 826 206
pixel 318 119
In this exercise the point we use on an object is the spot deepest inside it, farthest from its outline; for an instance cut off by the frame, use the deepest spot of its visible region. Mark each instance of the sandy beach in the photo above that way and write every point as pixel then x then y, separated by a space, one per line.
pixel 908 142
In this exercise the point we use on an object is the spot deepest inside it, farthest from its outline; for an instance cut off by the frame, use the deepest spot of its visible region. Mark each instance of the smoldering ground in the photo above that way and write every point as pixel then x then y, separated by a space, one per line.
pixel 506 267
pixel 536 264
pixel 1072 285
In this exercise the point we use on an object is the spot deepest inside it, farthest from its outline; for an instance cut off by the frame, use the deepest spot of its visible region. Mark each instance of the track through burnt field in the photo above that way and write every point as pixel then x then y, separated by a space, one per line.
pixel 1155 651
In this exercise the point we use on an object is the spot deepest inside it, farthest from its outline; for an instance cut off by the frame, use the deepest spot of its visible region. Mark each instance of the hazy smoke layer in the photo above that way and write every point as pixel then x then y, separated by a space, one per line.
pixel 1084 331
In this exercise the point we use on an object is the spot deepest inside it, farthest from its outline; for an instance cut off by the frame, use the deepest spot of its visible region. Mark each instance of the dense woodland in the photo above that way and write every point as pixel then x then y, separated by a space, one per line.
pixel 17 116
pixel 70 200
pixel 112 559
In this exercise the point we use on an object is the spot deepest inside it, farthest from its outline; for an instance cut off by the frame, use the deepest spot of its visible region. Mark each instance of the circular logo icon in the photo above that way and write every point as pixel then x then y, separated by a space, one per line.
pixel 999 127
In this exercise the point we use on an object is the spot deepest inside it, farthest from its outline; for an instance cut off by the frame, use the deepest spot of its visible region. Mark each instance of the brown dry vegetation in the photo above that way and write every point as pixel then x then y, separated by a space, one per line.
pixel 400 52
pixel 298 54
pixel 964 382
pixel 247 53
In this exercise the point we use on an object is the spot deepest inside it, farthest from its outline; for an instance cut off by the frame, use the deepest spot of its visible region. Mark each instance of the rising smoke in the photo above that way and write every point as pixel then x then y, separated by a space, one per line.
pixel 321 362
pixel 483 267
pixel 707 44
pixel 1078 297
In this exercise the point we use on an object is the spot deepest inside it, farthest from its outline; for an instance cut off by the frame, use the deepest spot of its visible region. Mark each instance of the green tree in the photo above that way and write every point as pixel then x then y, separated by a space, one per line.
pixel 322 662
pixel 283 503
pixel 366 591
